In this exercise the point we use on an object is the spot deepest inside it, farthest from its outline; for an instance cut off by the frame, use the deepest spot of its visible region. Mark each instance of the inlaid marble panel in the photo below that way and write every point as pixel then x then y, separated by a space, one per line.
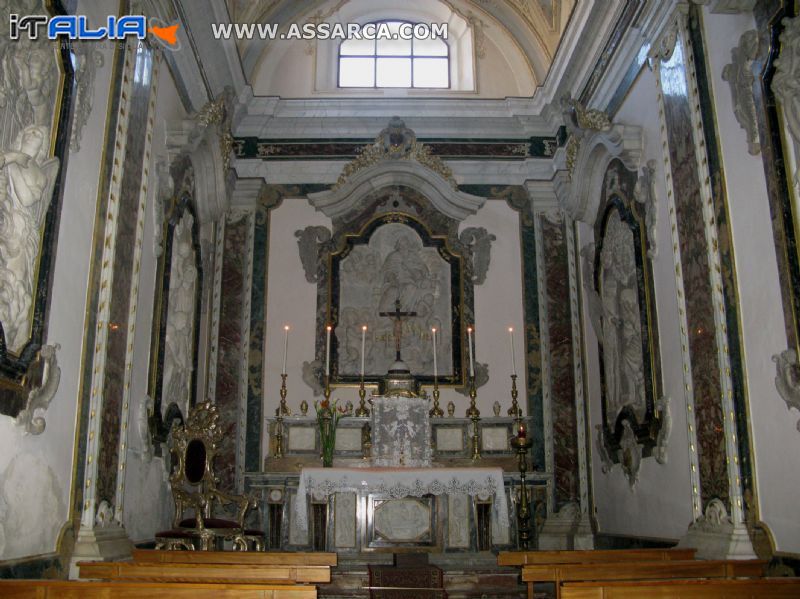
pixel 697 282
pixel 494 438
pixel 344 529
pixel 458 521
pixel 302 438
pixel 449 439
pixel 402 520
pixel 348 439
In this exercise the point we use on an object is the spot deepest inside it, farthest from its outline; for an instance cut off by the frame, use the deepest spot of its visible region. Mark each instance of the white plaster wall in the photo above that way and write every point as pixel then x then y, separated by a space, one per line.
pixel 775 439
pixel 659 505
pixel 291 300
pixel 36 471
pixel 148 500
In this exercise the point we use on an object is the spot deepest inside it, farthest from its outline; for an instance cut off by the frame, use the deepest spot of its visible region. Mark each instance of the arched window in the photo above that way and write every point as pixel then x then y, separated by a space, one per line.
pixel 414 63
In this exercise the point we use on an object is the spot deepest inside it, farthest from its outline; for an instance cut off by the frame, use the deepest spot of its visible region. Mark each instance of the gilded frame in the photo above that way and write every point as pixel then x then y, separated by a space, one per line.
pixel 19 370
pixel 160 425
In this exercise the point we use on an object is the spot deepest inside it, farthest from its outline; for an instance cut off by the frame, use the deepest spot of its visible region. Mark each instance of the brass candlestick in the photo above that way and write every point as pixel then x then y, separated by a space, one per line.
pixel 474 414
pixel 436 411
pixel 327 389
pixel 362 410
pixel 278 433
pixel 514 410
pixel 521 445
pixel 284 409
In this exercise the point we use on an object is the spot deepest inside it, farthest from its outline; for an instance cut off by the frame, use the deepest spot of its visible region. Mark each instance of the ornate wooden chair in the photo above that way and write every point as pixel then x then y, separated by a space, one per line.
pixel 194 490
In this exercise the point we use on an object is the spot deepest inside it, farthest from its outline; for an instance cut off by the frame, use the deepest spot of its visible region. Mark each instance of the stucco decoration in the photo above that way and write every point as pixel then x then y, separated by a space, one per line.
pixel 396 158
pixel 787 378
pixel 645 194
pixel 594 304
pixel 602 450
pixel 312 375
pixel 29 493
pixel 88 60
pixel 308 242
pixel 786 85
pixel 630 453
pixel 740 78
pixel 662 441
pixel 31 418
pixel 479 240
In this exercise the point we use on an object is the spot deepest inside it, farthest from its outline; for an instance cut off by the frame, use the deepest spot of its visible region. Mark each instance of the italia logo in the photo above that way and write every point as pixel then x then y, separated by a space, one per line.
pixel 76 27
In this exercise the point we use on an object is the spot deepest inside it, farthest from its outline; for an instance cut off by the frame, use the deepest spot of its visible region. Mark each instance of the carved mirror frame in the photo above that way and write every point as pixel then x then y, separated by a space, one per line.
pixel 458 299
pixel 19 370
pixel 618 198
pixel 160 424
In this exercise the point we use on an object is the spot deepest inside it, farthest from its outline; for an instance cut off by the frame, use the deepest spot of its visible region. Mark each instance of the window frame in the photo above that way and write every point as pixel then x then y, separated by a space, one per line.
pixel 375 56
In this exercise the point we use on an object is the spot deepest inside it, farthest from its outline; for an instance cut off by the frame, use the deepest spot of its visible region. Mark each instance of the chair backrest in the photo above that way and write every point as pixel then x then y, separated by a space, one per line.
pixel 194 446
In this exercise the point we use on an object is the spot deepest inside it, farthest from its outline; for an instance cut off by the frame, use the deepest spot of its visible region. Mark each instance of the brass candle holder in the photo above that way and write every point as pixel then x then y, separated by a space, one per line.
pixel 521 445
pixel 474 414
pixel 436 411
pixel 362 409
pixel 284 409
pixel 278 433
pixel 326 391
pixel 514 411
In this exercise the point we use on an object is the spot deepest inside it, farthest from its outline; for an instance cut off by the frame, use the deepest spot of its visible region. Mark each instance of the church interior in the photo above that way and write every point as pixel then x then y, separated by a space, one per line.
pixel 501 296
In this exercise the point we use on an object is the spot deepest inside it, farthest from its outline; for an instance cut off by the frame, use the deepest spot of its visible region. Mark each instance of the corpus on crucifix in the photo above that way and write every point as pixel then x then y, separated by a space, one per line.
pixel 398 317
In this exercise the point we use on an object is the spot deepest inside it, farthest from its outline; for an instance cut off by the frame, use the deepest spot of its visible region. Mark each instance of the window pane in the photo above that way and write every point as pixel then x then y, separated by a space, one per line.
pixel 394 47
pixel 430 48
pixel 356 72
pixel 394 72
pixel 357 47
pixel 431 72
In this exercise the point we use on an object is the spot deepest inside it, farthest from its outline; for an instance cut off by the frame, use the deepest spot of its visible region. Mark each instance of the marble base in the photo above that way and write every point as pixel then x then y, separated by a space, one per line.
pixel 567 529
pixel 724 542
pixel 99 544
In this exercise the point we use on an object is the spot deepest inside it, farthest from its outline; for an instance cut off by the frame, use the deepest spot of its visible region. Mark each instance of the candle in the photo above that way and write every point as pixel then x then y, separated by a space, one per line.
pixel 521 432
pixel 513 359
pixel 363 343
pixel 435 367
pixel 471 357
pixel 285 346
pixel 328 352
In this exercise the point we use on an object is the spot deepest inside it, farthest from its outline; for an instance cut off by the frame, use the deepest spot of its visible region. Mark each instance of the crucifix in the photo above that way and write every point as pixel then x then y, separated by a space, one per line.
pixel 398 324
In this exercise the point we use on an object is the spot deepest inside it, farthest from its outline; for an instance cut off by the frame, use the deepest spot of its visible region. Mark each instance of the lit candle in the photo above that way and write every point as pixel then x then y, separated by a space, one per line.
pixel 513 359
pixel 521 432
pixel 435 367
pixel 363 344
pixel 471 358
pixel 285 346
pixel 328 352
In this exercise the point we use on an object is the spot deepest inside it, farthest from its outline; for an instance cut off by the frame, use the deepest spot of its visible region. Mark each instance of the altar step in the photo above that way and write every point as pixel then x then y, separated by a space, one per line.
pixel 466 576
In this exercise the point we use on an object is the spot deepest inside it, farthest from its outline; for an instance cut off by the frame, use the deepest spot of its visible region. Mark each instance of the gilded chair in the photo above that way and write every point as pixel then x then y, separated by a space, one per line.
pixel 194 489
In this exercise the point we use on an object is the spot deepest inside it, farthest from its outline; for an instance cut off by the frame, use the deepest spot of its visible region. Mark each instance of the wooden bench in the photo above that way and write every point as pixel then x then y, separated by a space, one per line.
pixel 76 589
pixel 217 573
pixel 656 570
pixel 260 558
pixel 778 588
pixel 590 556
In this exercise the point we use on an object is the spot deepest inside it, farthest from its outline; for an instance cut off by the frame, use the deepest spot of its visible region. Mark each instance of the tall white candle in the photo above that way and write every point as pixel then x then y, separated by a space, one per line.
pixel 513 359
pixel 435 366
pixel 285 346
pixel 363 344
pixel 328 352
pixel 471 358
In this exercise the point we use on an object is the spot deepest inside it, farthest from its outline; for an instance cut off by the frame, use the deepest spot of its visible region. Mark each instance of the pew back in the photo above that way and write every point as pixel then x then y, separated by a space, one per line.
pixel 521 558
pixel 767 588
pixel 72 589
pixel 262 558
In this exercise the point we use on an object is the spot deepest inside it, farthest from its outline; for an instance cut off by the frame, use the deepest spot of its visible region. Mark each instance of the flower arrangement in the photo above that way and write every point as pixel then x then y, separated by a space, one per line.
pixel 328 415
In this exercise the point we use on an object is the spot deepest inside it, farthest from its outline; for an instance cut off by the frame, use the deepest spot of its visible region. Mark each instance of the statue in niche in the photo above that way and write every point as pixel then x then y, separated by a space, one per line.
pixel 28 78
pixel 179 336
pixel 623 364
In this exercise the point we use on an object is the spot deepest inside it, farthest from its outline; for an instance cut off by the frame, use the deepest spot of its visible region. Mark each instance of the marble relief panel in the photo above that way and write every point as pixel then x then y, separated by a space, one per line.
pixel 562 383
pixel 230 345
pixel 697 283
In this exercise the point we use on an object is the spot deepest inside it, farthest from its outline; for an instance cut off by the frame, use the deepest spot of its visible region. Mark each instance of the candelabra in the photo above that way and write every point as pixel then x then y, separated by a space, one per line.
pixel 279 432
pixel 514 410
pixel 521 445
pixel 474 414
pixel 362 410
pixel 326 392
pixel 284 409
pixel 436 411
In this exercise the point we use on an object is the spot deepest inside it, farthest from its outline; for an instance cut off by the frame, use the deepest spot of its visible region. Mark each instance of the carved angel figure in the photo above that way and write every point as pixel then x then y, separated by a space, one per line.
pixel 787 378
pixel 27 178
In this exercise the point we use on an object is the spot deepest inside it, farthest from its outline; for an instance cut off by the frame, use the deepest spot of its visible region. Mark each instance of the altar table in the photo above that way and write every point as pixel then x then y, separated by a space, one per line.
pixel 405 482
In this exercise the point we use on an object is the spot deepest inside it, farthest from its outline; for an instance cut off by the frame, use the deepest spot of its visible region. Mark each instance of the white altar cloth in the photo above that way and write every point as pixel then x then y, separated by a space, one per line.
pixel 405 482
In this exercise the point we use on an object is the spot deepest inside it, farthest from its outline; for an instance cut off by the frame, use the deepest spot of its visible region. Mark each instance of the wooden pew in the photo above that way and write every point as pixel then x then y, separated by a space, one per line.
pixel 589 556
pixel 261 558
pixel 216 573
pixel 768 588
pixel 75 589
pixel 657 570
